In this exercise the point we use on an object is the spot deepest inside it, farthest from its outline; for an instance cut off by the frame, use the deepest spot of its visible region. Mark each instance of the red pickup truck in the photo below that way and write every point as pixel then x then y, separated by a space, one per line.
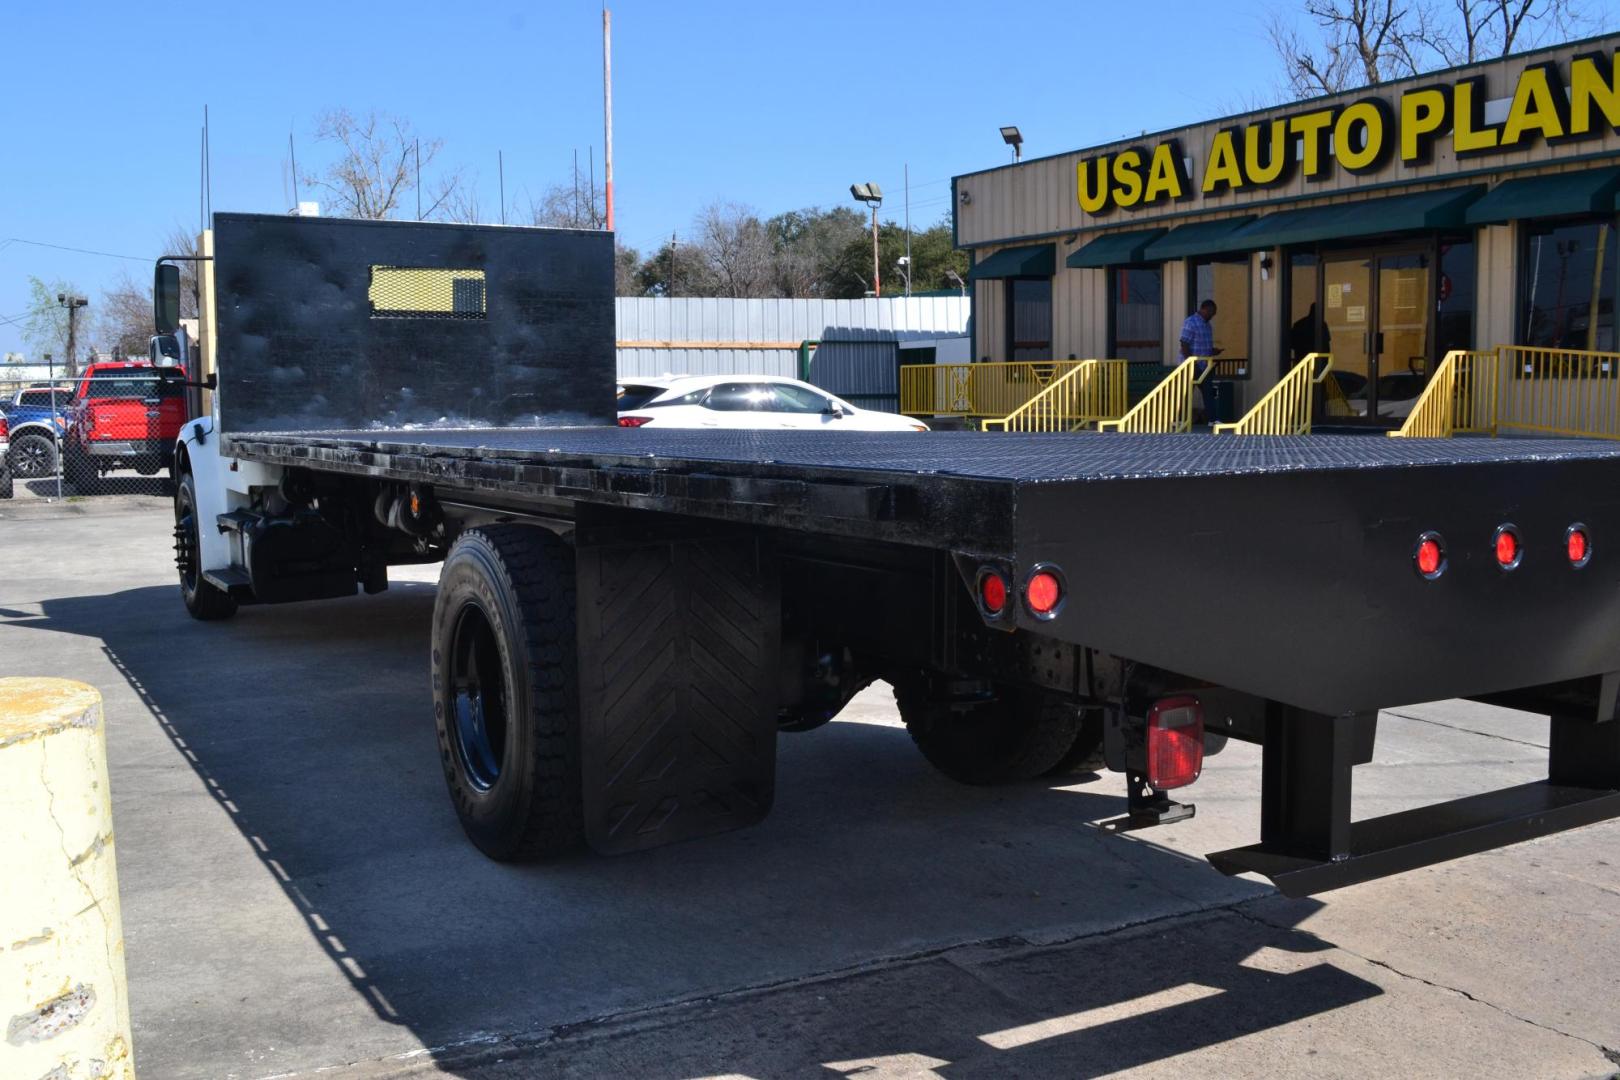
pixel 125 415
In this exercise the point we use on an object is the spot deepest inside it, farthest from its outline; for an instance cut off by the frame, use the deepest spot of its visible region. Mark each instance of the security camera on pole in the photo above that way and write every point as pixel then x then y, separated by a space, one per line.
pixel 872 196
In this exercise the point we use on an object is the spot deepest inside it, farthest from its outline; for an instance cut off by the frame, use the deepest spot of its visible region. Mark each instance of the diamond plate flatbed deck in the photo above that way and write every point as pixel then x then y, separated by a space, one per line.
pixel 1006 457
pixel 959 490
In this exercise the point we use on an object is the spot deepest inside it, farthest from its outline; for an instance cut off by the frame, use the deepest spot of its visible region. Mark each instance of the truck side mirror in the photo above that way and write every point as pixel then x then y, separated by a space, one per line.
pixel 166 298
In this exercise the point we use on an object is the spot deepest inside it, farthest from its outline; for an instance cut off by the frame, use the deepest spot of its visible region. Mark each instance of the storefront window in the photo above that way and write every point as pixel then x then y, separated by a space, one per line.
pixel 1136 314
pixel 1304 321
pixel 1454 296
pixel 1567 286
pixel 1225 281
pixel 1030 323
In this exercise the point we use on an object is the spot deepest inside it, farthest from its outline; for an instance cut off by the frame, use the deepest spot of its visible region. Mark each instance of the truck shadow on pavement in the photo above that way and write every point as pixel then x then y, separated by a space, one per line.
pixel 310 725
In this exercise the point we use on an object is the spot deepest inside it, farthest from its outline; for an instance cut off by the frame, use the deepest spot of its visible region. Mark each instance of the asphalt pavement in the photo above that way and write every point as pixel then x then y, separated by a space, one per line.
pixel 299 900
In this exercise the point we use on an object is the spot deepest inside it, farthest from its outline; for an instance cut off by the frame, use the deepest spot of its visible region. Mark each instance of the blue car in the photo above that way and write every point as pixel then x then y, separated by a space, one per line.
pixel 37 424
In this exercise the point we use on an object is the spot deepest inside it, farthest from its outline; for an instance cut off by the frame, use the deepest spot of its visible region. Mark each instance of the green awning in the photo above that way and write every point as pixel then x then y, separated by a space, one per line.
pixel 1590 191
pixel 1037 260
pixel 1203 238
pixel 1395 213
pixel 1114 249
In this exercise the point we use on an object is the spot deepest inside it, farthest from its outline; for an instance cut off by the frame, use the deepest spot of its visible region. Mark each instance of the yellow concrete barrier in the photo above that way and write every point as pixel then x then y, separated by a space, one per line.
pixel 64 1003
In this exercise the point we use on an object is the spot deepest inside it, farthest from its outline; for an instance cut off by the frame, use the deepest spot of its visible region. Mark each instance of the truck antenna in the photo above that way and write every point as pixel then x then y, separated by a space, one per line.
pixel 292 155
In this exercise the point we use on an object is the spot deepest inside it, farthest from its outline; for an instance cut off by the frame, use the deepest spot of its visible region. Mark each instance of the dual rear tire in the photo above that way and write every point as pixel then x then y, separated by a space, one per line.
pixel 505 691
pixel 1018 735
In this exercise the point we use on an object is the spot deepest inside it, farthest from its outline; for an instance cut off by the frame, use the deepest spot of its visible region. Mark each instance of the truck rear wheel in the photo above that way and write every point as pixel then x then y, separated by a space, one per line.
pixel 1019 735
pixel 1085 755
pixel 82 473
pixel 505 691
pixel 203 599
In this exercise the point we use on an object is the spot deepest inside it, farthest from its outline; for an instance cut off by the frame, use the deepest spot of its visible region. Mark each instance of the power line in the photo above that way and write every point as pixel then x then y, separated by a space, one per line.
pixel 81 251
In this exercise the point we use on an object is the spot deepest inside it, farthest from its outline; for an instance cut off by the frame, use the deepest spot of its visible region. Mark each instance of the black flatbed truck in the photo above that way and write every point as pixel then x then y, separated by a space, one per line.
pixel 627 618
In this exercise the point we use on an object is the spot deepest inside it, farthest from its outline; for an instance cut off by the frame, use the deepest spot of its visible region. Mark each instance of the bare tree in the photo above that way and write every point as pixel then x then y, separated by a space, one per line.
pixel 1362 41
pixel 377 165
pixel 124 317
pixel 732 241
pixel 1359 42
pixel 1482 29
pixel 182 241
pixel 573 204
pixel 463 204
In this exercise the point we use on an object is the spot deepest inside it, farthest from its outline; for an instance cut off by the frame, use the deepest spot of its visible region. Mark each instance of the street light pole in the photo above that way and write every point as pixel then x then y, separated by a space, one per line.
pixel 872 196
pixel 877 284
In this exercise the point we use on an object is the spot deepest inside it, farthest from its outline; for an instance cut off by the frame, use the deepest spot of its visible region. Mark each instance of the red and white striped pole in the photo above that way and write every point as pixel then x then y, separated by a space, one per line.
pixel 607 108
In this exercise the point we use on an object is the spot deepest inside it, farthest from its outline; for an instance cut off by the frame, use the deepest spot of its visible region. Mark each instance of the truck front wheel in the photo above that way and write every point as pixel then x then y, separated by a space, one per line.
pixel 505 691
pixel 1018 735
pixel 203 599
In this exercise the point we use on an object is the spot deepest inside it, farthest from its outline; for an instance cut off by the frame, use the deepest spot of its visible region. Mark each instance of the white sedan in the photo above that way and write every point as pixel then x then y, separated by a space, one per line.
pixel 746 401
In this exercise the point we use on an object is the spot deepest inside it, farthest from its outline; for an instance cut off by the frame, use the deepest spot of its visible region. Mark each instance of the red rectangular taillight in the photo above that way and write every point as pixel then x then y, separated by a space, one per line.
pixel 633 421
pixel 1175 742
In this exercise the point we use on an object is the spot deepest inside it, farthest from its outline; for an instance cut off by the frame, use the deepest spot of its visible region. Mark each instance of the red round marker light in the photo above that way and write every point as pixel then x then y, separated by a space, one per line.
pixel 1043 593
pixel 1430 556
pixel 1506 545
pixel 1578 546
pixel 993 592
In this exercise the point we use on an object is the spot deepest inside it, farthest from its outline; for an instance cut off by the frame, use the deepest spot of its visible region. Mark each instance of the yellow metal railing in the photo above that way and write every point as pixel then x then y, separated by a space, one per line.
pixel 976 390
pixel 1521 388
pixel 1286 408
pixel 1460 396
pixel 1558 391
pixel 1094 391
pixel 1167 408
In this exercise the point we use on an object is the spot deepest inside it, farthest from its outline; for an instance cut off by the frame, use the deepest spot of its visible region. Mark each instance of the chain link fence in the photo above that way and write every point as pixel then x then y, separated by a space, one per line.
pixel 108 432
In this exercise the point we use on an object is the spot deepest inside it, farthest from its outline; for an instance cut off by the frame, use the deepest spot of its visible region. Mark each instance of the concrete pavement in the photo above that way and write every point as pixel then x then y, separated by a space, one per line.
pixel 298 895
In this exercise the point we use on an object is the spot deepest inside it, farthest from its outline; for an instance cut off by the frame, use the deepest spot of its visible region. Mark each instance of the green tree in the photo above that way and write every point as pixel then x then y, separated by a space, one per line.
pixel 931 256
pixel 45 326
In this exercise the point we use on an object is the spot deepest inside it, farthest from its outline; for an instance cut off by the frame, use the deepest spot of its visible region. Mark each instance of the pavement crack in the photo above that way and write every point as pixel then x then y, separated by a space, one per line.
pixel 1443 987
pixel 1465 730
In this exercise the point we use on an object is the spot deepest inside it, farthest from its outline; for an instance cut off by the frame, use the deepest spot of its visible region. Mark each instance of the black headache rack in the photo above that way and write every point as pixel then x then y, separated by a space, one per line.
pixel 351 348
pixel 1322 616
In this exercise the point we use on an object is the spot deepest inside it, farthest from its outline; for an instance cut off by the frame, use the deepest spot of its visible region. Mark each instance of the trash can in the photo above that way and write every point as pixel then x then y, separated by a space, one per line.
pixel 1220 400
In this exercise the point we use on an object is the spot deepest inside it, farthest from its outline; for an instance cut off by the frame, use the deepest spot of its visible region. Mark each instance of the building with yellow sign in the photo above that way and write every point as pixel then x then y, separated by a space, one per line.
pixel 1460 209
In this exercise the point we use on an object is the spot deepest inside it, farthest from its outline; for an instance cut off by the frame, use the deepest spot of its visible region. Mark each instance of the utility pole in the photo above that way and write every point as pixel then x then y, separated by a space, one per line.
pixel 73 304
pixel 607 112
pixel 674 240
pixel 908 230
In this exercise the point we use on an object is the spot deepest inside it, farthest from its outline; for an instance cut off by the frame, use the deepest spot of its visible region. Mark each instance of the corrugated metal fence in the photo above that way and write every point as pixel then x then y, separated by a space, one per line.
pixel 859 339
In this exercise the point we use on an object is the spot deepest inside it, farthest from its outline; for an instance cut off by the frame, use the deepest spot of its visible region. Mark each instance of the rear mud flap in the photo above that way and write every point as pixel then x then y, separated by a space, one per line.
pixel 679 640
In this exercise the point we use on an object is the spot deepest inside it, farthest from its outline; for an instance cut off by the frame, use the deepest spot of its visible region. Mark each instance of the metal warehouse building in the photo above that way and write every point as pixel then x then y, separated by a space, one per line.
pixel 1462 209
pixel 853 348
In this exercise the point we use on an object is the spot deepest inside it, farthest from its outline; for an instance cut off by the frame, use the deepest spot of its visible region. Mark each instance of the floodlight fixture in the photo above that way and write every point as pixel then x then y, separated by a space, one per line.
pixel 1013 138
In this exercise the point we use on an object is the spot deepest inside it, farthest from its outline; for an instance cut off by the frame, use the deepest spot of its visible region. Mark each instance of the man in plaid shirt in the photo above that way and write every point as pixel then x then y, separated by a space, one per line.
pixel 1198 339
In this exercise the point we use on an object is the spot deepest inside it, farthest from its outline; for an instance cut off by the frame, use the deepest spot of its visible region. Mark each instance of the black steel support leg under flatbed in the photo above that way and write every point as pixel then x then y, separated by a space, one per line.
pixel 1309 843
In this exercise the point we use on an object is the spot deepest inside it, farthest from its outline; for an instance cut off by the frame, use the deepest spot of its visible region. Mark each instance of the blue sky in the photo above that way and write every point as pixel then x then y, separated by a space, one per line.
pixel 772 104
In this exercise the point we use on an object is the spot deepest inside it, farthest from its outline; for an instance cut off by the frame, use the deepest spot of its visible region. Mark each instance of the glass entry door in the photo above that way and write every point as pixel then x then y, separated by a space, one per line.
pixel 1376 312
